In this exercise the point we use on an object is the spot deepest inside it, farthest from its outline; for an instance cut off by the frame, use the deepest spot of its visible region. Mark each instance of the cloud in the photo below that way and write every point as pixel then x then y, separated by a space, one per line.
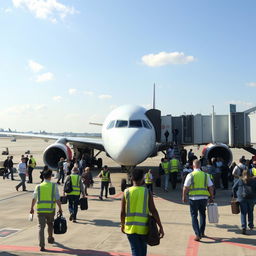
pixel 242 103
pixel 22 109
pixel 45 9
pixel 72 91
pixel 7 10
pixel 166 58
pixel 104 96
pixel 35 66
pixel 40 107
pixel 88 93
pixel 252 84
pixel 73 116
pixel 57 98
pixel 44 77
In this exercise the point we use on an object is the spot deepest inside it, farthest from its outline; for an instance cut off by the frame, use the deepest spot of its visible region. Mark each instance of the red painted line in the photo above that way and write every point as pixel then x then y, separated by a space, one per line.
pixel 233 243
pixel 117 195
pixel 60 250
pixel 192 248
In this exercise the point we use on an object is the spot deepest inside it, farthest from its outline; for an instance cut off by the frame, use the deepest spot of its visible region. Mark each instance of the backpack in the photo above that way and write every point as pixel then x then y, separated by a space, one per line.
pixel 60 225
pixel 248 192
pixel 68 185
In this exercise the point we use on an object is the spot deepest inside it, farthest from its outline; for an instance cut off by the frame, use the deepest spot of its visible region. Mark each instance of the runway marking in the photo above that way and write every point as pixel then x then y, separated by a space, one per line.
pixel 192 248
pixel 233 243
pixel 22 194
pixel 67 251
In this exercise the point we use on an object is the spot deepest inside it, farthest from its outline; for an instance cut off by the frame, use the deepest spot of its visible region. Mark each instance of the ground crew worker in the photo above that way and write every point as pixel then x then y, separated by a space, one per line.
pixel 253 171
pixel 174 169
pixel 149 180
pixel 74 195
pixel 105 180
pixel 166 167
pixel 31 167
pixel 199 186
pixel 46 195
pixel 137 203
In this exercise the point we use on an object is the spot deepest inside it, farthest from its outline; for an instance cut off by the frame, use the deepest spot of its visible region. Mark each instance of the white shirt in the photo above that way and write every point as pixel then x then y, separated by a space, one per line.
pixel 65 167
pixel 22 168
pixel 187 183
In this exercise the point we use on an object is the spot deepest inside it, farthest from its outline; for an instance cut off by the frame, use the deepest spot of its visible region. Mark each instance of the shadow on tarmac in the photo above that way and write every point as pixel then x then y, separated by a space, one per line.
pixel 8 254
pixel 99 222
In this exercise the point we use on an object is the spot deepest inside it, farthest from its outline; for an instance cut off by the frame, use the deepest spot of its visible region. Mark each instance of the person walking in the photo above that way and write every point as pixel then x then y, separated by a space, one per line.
pixel 199 187
pixel 166 167
pixel 245 190
pixel 174 169
pixel 22 169
pixel 87 179
pixel 137 204
pixel 5 164
pixel 149 180
pixel 31 167
pixel 9 168
pixel 46 195
pixel 105 180
pixel 74 195
pixel 61 171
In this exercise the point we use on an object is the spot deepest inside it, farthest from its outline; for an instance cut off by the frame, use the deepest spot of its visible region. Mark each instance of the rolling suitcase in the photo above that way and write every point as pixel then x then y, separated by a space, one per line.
pixel 212 211
pixel 112 190
pixel 83 203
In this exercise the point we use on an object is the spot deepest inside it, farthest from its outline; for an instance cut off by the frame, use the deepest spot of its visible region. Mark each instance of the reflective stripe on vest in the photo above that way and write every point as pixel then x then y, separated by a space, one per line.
pixel 136 217
pixel 174 165
pixel 75 180
pixel 46 197
pixel 254 171
pixel 165 166
pixel 104 177
pixel 33 163
pixel 148 180
pixel 199 186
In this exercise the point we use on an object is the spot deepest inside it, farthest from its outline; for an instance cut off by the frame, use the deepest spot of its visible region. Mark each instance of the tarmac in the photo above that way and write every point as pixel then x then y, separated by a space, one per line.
pixel 97 231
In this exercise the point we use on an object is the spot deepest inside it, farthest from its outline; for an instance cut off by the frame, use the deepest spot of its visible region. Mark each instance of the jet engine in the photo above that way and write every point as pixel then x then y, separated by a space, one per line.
pixel 54 152
pixel 218 150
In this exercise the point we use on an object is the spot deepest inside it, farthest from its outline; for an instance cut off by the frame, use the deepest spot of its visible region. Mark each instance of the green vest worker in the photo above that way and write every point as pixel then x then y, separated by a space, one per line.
pixel 105 180
pixel 174 169
pixel 74 195
pixel 31 166
pixel 254 169
pixel 137 203
pixel 149 180
pixel 199 187
pixel 46 195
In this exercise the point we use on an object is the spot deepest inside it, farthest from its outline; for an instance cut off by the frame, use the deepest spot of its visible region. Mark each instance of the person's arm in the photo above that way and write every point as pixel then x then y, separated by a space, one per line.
pixel 82 188
pixel 155 214
pixel 210 188
pixel 122 215
pixel 99 175
pixel 184 194
pixel 57 196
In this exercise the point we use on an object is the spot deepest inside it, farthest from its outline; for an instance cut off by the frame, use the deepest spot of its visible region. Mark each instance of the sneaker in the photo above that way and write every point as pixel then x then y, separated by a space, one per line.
pixel 244 231
pixel 74 220
pixel 71 217
pixel 50 240
pixel 42 249
pixel 100 197
pixel 197 238
pixel 251 228
pixel 106 196
pixel 17 188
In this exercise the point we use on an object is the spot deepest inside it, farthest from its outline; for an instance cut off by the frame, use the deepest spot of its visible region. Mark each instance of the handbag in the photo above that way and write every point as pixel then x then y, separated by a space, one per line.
pixel 83 202
pixel 153 237
pixel 112 190
pixel 60 224
pixel 235 209
pixel 63 199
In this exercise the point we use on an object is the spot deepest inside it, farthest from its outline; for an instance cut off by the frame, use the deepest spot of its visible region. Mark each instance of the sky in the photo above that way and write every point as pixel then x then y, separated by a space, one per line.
pixel 65 63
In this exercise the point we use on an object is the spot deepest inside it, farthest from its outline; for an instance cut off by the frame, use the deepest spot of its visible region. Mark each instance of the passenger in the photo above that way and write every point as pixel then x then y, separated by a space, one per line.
pixel 170 152
pixel 87 179
pixel 190 155
pixel 237 171
pixel 9 168
pixel 66 165
pixel 5 167
pixel 161 173
pixel 245 189
pixel 230 176
pixel 199 187
pixel 149 180
pixel 217 175
pixel 183 155
pixel 174 169
pixel 137 203
pixel 61 171
pixel 187 169
pixel 31 167
pixel 46 191
pixel 42 173
pixel 74 195
pixel 224 175
pixel 105 180
pixel 22 169
pixel 253 170
pixel 166 168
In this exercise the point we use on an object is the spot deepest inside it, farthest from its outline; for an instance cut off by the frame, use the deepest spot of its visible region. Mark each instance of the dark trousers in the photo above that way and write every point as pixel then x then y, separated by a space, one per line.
pixel 104 185
pixel 23 181
pixel 30 178
pixel 173 179
pixel 216 180
pixel 195 207
pixel 150 187
pixel 10 171
pixel 61 177
pixel 138 244
pixel 246 206
pixel 224 179
pixel 73 201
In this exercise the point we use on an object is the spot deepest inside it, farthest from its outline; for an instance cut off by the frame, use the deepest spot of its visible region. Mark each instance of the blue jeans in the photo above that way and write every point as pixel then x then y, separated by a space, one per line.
pixel 195 207
pixel 23 180
pixel 73 202
pixel 138 244
pixel 166 181
pixel 246 206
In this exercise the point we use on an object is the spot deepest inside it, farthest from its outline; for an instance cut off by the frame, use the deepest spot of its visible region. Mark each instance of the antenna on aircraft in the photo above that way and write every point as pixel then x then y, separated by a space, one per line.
pixel 154 96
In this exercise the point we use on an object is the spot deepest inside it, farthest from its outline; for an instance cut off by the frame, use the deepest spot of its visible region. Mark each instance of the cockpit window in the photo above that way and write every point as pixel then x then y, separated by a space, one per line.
pixel 111 125
pixel 121 123
pixel 150 126
pixel 146 124
pixel 135 123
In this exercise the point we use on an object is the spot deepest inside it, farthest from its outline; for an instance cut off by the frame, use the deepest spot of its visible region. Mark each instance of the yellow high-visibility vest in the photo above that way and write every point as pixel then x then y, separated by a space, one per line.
pixel 46 200
pixel 174 165
pixel 254 171
pixel 165 166
pixel 148 180
pixel 136 210
pixel 75 180
pixel 104 176
pixel 33 162
pixel 199 184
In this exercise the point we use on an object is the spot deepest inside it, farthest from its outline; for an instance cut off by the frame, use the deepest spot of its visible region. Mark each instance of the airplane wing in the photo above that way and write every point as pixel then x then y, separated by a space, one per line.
pixel 95 143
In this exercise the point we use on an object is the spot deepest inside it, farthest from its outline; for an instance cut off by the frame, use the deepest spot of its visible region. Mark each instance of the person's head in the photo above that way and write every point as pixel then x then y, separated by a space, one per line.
pixel 242 160
pixel 196 164
pixel 190 150
pixel 11 157
pixel 75 170
pixel 87 169
pixel 138 176
pixel 31 156
pixel 105 168
pixel 22 156
pixel 23 159
pixel 45 168
pixel 47 174
pixel 245 176
pixel 62 159
pixel 150 171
